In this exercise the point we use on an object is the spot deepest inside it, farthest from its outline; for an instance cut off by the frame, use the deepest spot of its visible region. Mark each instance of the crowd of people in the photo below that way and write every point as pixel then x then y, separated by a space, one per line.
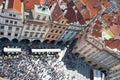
pixel 26 67
pixel 38 66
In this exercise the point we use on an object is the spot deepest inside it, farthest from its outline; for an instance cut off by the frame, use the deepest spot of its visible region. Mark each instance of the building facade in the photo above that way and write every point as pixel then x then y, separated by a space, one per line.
pixel 35 30
pixel 11 19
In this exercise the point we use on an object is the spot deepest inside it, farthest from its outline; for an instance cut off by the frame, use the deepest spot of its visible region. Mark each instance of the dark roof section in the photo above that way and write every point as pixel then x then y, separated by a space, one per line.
pixel 73 14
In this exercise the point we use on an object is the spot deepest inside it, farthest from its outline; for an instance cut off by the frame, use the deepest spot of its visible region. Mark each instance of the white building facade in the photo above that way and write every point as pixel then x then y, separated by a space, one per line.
pixel 11 21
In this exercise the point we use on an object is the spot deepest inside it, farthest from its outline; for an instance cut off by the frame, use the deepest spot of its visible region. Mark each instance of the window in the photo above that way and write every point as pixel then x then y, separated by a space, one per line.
pixel 31 34
pixel 59 27
pixel 52 30
pixel 62 21
pixel 25 33
pixel 17 29
pixel 39 28
pixel 14 15
pixel 38 17
pixel 11 22
pixel 6 21
pixel 44 29
pixel 48 36
pixel 56 37
pixel 36 35
pixel 33 28
pixel 10 28
pixel 2 27
pixel 9 34
pixel 27 27
pixel 63 27
pixel 55 26
pixel 34 25
pixel 15 22
pixel 56 31
pixel 53 36
pixel 1 33
pixel 44 18
pixel 10 14
pixel 43 9
pixel 41 35
pixel 60 31
pixel 28 24
pixel 16 35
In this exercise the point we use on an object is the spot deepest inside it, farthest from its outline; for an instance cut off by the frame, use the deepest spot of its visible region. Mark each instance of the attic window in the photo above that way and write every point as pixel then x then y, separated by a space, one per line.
pixel 43 9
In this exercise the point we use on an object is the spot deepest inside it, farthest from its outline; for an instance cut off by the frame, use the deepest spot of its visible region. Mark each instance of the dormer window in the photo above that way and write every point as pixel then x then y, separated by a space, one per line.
pixel 43 9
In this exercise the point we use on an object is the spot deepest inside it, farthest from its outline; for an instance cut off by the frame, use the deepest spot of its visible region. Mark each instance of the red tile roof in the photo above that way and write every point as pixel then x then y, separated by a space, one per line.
pixel 56 13
pixel 72 16
pixel 105 3
pixel 1 2
pixel 97 30
pixel 51 2
pixel 112 43
pixel 85 13
pixel 115 29
pixel 29 4
pixel 94 6
pixel 107 18
pixel 83 10
pixel 114 22
pixel 78 5
pixel 15 5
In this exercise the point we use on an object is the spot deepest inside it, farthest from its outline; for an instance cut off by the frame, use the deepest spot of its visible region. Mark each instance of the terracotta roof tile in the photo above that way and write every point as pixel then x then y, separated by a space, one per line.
pixel 94 6
pixel 83 10
pixel 85 13
pixel 107 18
pixel 56 13
pixel 115 29
pixel 112 43
pixel 15 5
pixel 51 2
pixel 78 5
pixel 97 30
pixel 72 16
pixel 114 22
pixel 1 2
pixel 29 4
pixel 105 3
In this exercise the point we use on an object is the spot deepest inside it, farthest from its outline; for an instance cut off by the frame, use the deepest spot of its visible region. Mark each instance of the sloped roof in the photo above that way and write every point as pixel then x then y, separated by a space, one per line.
pixel 15 5
pixel 97 30
pixel 112 43
pixel 29 4
pixel 113 21
pixel 83 10
pixel 94 6
pixel 71 14
pixel 1 2
pixel 56 13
